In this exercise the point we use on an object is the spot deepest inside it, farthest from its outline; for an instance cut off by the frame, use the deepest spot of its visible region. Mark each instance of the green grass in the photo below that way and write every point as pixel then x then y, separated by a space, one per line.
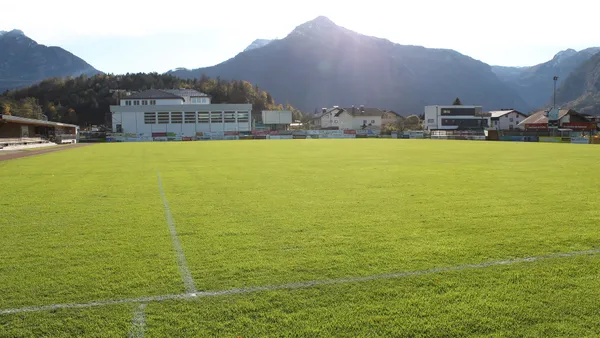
pixel 88 224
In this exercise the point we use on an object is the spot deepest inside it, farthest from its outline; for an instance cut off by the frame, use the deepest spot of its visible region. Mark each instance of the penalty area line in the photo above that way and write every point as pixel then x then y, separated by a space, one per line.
pixel 300 285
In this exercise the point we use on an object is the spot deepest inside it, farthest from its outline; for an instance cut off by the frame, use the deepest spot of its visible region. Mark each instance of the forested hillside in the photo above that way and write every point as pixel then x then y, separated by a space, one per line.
pixel 85 100
pixel 581 90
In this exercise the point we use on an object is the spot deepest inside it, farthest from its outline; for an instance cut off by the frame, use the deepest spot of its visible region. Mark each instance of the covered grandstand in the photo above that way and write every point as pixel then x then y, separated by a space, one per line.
pixel 16 130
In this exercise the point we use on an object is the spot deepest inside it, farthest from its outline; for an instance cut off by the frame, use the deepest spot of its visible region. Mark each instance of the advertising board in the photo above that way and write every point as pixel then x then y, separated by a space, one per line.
pixel 589 126
pixel 580 140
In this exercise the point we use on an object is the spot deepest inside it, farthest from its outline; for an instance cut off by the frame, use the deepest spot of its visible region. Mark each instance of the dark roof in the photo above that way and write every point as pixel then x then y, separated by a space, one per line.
pixel 186 92
pixel 356 111
pixel 363 111
pixel 153 94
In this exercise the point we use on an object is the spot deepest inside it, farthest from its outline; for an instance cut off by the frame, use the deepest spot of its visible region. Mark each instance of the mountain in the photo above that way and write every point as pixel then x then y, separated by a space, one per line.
pixel 320 64
pixel 258 43
pixel 535 84
pixel 581 89
pixel 24 61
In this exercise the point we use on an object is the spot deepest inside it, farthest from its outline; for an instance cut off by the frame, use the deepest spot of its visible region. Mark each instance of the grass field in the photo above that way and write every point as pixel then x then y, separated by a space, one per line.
pixel 92 224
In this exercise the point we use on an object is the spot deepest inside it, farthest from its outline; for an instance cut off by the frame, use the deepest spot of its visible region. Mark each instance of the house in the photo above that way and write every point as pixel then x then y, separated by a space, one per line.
pixel 456 118
pixel 353 118
pixel 390 117
pixel 176 114
pixel 507 119
pixel 566 119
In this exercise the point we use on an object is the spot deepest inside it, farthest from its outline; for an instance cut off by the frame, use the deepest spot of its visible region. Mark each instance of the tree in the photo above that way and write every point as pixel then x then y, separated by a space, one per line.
pixel 413 122
pixel 5 109
pixel 457 102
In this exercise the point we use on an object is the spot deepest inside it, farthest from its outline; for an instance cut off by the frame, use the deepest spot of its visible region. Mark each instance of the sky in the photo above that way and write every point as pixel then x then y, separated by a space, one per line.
pixel 120 36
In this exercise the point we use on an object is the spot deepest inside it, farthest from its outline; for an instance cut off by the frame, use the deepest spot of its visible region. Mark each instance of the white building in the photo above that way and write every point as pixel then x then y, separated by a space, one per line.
pixel 507 119
pixel 455 118
pixel 354 118
pixel 177 114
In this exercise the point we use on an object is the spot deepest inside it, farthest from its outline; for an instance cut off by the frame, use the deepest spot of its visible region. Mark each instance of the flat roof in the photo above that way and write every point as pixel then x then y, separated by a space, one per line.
pixel 24 120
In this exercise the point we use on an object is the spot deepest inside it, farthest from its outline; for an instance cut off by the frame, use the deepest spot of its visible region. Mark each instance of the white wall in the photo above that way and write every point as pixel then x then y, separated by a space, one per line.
pixel 358 121
pixel 507 121
pixel 431 117
pixel 133 123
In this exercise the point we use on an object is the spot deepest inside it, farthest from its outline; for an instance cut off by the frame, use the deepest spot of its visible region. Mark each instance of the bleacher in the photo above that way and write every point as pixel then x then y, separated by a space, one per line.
pixel 24 141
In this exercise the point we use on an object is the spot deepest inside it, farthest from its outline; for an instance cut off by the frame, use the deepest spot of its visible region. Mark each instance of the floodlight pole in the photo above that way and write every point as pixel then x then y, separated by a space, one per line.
pixel 555 79
pixel 554 103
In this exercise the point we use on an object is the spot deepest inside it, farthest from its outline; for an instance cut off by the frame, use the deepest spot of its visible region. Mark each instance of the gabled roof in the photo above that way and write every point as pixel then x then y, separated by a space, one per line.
pixel 499 113
pixel 542 116
pixel 153 94
pixel 356 111
pixel 363 111
pixel 392 112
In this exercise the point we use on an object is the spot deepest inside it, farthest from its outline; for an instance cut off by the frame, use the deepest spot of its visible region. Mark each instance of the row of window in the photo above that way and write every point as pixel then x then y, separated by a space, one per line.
pixel 193 117
pixel 199 100
pixel 140 102
pixel 465 123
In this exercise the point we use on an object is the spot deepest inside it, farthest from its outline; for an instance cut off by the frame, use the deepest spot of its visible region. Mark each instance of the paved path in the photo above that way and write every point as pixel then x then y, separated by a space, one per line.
pixel 10 155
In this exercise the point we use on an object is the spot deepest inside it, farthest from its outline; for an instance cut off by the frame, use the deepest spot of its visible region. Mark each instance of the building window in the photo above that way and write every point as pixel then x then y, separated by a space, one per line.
pixel 431 121
pixel 216 117
pixel 203 117
pixel 199 100
pixel 243 117
pixel 144 102
pixel 176 117
pixel 119 128
pixel 150 118
pixel 229 117
pixel 190 117
pixel 153 102
pixel 136 103
pixel 128 103
pixel 364 122
pixel 163 117
pixel 372 121
pixel 511 119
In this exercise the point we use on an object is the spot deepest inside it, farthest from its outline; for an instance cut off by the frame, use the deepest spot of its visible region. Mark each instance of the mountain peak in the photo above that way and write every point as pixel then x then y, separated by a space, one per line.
pixel 14 32
pixel 316 25
pixel 323 20
pixel 258 43
pixel 560 56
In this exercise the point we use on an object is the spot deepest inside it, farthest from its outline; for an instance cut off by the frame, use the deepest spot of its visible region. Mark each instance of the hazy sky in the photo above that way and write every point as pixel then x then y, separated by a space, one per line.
pixel 132 36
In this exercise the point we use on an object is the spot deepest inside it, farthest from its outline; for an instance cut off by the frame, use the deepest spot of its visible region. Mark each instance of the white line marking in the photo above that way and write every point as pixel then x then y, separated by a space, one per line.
pixel 294 286
pixel 186 275
pixel 138 324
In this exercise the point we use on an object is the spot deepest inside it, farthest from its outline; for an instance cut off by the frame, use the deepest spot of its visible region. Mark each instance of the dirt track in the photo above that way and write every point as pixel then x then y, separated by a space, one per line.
pixel 20 153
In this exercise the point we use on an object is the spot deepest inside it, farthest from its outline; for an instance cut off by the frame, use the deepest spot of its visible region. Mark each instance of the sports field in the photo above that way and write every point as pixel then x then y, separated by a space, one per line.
pixel 345 238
